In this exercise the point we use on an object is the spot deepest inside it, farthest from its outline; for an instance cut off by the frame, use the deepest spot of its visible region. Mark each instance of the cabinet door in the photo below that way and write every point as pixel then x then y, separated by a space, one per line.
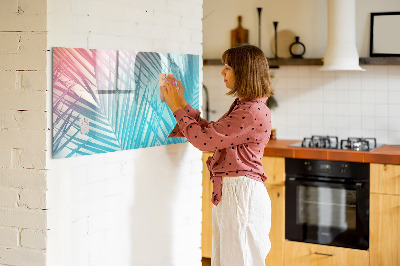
pixel 274 168
pixel 384 229
pixel 385 178
pixel 305 254
pixel 206 232
pixel 277 233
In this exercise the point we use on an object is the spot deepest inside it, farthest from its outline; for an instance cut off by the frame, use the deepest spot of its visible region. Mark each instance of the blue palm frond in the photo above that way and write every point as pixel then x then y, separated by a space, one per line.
pixel 117 91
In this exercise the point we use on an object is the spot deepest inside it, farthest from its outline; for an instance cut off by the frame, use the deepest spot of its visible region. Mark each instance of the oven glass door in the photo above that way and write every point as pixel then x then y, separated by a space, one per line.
pixel 326 213
pixel 326 207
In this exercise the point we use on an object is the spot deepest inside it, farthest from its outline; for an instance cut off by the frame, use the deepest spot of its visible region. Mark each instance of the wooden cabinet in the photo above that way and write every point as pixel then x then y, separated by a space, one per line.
pixel 385 215
pixel 277 233
pixel 385 178
pixel 384 236
pixel 206 226
pixel 305 254
pixel 274 168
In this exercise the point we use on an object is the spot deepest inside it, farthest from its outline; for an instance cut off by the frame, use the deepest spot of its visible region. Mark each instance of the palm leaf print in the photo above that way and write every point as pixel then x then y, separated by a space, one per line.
pixel 115 95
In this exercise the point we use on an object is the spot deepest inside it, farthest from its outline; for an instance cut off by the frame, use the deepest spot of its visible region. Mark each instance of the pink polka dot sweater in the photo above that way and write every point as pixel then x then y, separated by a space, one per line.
pixel 238 139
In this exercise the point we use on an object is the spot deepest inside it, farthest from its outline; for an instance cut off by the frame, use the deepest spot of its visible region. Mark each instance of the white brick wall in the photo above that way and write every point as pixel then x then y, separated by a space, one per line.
pixel 9 197
pixel 9 237
pixel 33 239
pixel 100 206
pixel 137 207
pixel 23 132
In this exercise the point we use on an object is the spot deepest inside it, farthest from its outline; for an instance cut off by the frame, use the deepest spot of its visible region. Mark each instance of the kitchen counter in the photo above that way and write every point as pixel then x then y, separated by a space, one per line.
pixel 389 154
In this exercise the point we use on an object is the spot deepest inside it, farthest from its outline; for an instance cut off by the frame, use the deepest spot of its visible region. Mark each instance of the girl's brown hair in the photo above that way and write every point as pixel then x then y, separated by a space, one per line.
pixel 250 66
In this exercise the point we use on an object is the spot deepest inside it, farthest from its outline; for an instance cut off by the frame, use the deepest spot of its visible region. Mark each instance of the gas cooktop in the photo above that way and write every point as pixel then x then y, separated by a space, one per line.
pixel 332 142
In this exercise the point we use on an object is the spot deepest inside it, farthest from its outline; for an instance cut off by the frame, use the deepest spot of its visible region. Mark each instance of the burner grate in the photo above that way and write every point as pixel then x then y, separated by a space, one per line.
pixel 332 142
pixel 327 142
pixel 358 144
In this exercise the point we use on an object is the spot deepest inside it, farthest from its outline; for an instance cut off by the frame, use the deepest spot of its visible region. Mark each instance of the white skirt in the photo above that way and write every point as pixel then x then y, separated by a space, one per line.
pixel 241 223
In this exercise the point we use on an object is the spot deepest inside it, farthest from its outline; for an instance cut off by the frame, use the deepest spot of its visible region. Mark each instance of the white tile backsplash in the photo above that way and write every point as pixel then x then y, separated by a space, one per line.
pixel 354 132
pixel 368 122
pixel 315 71
pixel 292 82
pixel 393 71
pixel 394 82
pixel 342 109
pixel 367 96
pixel 329 94
pixel 381 110
pixel 394 136
pixel 304 72
pixel 394 110
pixel 342 81
pixel 343 103
pixel 291 71
pixel 342 96
pixel 381 122
pixel 394 97
pixel 382 136
pixel 342 123
pixel 329 121
pixel 316 82
pixel 329 109
pixel 355 122
pixel 381 83
pixel 367 110
pixel 380 71
pixel 355 96
pixel 355 109
pixel 394 124
pixel 304 82
pixel 381 97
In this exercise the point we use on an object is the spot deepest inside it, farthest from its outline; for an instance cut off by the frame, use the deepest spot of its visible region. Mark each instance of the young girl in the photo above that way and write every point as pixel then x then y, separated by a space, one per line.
pixel 241 213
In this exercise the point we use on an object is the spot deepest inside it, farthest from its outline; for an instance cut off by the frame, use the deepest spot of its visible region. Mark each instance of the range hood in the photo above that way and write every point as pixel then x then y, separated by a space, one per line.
pixel 341 51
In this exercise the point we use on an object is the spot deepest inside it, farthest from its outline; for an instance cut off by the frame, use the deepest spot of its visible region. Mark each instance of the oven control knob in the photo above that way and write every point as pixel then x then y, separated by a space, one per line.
pixel 343 168
pixel 308 166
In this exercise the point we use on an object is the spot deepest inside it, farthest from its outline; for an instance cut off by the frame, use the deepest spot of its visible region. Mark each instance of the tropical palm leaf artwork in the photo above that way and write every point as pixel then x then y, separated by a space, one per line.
pixel 109 100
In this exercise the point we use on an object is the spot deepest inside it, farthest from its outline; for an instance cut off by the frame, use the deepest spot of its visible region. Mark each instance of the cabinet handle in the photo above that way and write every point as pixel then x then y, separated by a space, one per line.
pixel 325 254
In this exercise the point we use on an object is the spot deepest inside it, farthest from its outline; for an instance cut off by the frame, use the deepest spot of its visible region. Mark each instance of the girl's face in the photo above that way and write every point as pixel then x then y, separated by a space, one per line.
pixel 229 76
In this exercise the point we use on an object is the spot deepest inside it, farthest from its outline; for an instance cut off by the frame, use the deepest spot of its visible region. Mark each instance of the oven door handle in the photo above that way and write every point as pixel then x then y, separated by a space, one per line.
pixel 357 185
pixel 324 254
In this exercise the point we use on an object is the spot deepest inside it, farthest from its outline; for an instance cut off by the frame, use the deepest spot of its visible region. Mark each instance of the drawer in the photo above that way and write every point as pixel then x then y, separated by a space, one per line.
pixel 298 253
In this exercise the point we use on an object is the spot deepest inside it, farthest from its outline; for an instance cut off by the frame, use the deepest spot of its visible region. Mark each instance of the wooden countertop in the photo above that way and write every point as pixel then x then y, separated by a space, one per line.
pixel 389 154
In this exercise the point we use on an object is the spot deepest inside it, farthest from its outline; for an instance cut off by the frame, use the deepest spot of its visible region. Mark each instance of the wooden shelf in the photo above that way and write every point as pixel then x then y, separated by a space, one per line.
pixel 212 62
pixel 274 63
pixel 295 62
pixel 380 61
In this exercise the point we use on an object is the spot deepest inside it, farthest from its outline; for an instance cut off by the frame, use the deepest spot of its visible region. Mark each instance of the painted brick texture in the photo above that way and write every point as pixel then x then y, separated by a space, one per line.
pixel 23 132
pixel 137 207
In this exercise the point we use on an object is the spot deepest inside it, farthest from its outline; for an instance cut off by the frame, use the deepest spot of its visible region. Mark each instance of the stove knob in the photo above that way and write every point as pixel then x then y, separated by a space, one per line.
pixel 308 166
pixel 343 168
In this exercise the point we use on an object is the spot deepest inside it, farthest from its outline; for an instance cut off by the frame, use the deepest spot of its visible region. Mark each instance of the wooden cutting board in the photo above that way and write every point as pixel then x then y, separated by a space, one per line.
pixel 239 35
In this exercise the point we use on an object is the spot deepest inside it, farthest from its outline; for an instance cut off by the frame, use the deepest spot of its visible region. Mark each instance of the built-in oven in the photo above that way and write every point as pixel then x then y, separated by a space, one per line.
pixel 327 202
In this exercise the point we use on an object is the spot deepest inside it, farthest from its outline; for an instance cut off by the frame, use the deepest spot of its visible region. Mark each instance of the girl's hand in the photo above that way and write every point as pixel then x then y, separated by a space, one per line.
pixel 171 94
pixel 181 91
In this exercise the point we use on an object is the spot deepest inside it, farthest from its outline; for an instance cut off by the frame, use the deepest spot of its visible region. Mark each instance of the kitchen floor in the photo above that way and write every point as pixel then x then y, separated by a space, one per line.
pixel 206 261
